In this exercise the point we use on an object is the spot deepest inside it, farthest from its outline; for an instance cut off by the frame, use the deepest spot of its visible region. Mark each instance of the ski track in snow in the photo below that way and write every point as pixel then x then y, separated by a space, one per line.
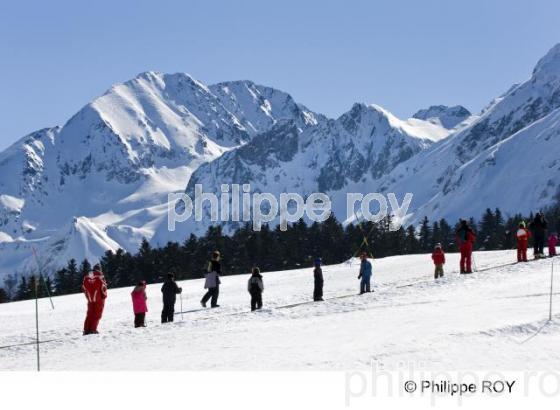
pixel 494 318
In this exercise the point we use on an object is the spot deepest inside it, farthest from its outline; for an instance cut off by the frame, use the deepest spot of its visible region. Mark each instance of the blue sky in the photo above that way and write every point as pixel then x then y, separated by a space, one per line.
pixel 56 56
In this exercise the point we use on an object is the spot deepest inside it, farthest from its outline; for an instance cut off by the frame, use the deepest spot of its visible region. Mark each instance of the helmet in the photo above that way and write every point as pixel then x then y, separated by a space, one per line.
pixel 317 261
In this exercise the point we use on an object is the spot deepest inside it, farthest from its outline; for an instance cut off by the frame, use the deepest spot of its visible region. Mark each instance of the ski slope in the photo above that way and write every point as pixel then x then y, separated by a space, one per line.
pixel 491 319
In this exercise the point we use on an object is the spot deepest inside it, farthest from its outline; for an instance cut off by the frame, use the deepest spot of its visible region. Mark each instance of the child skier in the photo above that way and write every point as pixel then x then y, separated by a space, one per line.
pixel 139 304
pixel 318 281
pixel 365 274
pixel 212 281
pixel 522 236
pixel 170 290
pixel 255 287
pixel 552 241
pixel 439 260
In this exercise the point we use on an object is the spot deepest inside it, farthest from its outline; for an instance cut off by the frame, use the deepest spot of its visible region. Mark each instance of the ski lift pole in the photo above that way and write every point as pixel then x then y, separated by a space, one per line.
pixel 35 285
pixel 551 289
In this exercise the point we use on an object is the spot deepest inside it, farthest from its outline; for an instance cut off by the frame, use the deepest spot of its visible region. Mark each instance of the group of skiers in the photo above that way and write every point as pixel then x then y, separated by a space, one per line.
pixel 537 229
pixel 95 286
pixel 95 290
pixel 465 238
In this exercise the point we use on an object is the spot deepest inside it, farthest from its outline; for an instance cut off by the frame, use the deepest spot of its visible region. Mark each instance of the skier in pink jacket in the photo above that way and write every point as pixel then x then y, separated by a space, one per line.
pixel 552 242
pixel 139 304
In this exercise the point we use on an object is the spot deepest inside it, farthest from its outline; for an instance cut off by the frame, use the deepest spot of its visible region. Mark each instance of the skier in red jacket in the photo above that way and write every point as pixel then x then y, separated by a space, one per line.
pixel 439 260
pixel 95 289
pixel 465 238
pixel 522 234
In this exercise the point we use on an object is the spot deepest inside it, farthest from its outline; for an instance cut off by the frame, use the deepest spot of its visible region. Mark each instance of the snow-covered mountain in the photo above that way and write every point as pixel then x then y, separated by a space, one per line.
pixel 101 180
pixel 508 157
pixel 448 117
pixel 365 141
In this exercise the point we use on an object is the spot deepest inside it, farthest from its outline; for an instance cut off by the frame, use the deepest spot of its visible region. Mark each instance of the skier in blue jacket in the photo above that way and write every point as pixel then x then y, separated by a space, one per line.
pixel 365 274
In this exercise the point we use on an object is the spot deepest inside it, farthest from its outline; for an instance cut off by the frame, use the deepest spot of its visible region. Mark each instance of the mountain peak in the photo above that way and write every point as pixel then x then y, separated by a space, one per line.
pixel 447 117
pixel 549 65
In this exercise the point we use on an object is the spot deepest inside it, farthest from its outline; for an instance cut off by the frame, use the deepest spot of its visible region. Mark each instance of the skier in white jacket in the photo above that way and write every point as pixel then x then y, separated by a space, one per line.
pixel 212 282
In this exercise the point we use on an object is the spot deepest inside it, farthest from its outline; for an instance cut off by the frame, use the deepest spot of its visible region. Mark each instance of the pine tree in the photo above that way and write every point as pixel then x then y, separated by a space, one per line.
pixel 487 230
pixel 411 243
pixel 425 235
pixel 23 291
pixel 447 235
pixel 10 285
pixel 4 298
pixel 61 282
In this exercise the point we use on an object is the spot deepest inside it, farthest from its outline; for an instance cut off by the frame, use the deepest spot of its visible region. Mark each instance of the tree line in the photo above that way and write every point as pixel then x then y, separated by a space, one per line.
pixel 272 250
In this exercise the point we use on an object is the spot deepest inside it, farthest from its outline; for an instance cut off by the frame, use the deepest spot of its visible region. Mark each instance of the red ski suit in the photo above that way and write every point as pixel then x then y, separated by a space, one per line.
pixel 466 247
pixel 522 235
pixel 95 289
pixel 438 257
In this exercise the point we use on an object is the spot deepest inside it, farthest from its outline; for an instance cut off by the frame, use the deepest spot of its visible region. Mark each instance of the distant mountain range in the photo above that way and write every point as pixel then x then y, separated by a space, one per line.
pixel 101 181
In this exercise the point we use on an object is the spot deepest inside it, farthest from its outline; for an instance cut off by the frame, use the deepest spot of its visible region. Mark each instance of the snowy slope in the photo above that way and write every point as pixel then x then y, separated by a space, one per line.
pixel 491 319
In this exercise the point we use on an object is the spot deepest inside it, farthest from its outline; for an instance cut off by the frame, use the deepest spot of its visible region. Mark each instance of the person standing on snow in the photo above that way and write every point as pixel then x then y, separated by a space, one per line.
pixel 439 260
pixel 255 287
pixel 139 304
pixel 212 281
pixel 365 274
pixel 465 238
pixel 170 290
pixel 552 241
pixel 318 281
pixel 538 227
pixel 522 234
pixel 95 290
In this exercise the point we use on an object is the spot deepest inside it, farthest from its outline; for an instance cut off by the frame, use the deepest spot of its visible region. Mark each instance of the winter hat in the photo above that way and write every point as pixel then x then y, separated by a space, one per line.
pixel 97 267
pixel 438 245
pixel 171 275
pixel 317 261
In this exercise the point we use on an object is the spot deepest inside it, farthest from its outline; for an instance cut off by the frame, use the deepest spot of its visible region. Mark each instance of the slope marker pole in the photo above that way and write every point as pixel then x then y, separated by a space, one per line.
pixel 551 289
pixel 181 299
pixel 41 277
pixel 35 284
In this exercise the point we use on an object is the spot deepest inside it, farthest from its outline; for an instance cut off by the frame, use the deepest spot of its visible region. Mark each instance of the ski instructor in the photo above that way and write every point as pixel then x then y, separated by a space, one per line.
pixel 465 238
pixel 95 290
